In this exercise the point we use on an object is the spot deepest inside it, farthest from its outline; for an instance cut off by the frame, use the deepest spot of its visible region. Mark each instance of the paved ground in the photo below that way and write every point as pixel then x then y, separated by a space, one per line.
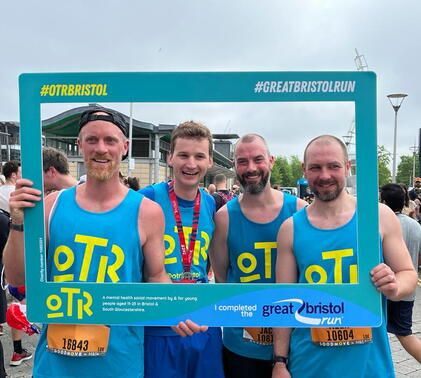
pixel 405 365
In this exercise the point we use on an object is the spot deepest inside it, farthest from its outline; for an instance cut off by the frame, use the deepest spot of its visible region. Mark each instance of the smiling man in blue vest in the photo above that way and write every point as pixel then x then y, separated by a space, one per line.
pixel 82 220
pixel 188 230
pixel 319 245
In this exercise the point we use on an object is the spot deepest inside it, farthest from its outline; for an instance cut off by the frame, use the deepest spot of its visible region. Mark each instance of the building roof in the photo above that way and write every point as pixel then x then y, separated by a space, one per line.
pixel 66 125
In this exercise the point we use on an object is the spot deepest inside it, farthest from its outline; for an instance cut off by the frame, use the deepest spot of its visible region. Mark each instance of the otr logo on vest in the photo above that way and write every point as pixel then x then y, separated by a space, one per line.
pixel 72 300
pixel 324 310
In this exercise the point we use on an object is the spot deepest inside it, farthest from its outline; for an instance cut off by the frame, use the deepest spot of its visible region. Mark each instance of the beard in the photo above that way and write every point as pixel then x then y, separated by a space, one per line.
pixel 327 196
pixel 254 188
pixel 104 173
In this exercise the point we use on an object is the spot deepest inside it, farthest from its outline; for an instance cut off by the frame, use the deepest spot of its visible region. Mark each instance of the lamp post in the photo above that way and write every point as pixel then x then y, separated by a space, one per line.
pixel 414 149
pixel 396 100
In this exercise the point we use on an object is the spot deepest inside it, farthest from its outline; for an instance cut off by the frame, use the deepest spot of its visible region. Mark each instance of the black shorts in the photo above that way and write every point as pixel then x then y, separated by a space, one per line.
pixel 236 366
pixel 399 317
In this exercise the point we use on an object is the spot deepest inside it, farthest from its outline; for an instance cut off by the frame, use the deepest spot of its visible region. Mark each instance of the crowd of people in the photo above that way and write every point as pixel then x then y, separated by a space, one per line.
pixel 249 233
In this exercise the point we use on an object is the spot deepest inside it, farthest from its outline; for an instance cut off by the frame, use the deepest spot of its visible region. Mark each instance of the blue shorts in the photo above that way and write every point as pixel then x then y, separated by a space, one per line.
pixel 399 317
pixel 197 356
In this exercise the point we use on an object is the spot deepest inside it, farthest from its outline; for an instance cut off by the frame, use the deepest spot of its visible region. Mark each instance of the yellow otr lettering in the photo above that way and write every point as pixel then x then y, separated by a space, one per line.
pixel 315 269
pixel 54 307
pixel 253 263
pixel 170 249
pixel 203 251
pixel 267 247
pixel 337 255
pixel 102 268
pixel 88 304
pixel 119 260
pixel 84 307
pixel 197 250
pixel 70 258
pixel 353 274
pixel 111 270
pixel 90 242
pixel 69 291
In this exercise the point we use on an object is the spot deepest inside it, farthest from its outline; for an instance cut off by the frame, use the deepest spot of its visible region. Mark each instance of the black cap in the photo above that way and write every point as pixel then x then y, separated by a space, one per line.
pixel 112 116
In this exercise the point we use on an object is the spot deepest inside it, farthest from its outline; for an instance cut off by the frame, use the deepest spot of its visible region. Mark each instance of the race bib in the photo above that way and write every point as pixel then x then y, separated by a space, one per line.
pixel 78 340
pixel 261 336
pixel 341 336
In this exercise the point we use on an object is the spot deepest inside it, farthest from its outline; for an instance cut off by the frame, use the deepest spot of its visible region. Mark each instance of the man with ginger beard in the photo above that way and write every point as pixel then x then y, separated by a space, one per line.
pixel 84 218
pixel 243 249
pixel 322 238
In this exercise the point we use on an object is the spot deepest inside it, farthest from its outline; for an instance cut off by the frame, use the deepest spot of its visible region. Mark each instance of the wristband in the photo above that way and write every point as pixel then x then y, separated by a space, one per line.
pixel 276 359
pixel 16 227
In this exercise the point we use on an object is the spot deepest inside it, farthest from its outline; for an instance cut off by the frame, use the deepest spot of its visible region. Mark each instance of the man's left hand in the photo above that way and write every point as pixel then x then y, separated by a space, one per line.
pixel 385 280
pixel 188 328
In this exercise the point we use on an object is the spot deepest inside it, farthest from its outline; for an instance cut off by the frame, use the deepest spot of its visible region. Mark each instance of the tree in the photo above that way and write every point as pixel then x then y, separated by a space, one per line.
pixel 383 159
pixel 276 177
pixel 296 170
pixel 405 169
pixel 285 170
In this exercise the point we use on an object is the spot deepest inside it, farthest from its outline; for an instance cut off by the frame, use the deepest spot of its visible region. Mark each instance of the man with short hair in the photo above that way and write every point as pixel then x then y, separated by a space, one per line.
pixel 211 189
pixel 12 172
pixel 56 170
pixel 416 190
pixel 222 195
pixel 96 207
pixel 321 238
pixel 243 250
pixel 399 313
pixel 188 211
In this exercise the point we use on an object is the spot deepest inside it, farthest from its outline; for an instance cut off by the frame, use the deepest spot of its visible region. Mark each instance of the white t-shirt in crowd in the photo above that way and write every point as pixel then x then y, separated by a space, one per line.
pixel 5 191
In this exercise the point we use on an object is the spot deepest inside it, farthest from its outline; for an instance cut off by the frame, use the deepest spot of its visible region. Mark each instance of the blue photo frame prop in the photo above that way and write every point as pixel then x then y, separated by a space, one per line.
pixel 221 304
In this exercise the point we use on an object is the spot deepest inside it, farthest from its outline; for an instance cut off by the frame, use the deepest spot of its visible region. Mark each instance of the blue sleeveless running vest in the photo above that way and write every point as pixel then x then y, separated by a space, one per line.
pixel 117 257
pixel 173 259
pixel 252 259
pixel 306 358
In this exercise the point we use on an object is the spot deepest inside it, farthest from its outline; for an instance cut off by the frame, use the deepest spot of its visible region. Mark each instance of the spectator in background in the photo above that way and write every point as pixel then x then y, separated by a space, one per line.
pixel 4 232
pixel 236 190
pixel 132 183
pixel 222 195
pixel 409 205
pixel 399 313
pixel 211 189
pixel 56 170
pixel 12 172
pixel 415 195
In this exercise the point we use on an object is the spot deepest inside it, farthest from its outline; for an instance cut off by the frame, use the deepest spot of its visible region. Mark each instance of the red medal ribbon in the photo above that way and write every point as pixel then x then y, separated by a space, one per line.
pixel 186 254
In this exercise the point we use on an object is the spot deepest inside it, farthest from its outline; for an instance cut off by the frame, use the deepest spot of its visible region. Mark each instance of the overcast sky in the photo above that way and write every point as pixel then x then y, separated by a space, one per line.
pixel 220 35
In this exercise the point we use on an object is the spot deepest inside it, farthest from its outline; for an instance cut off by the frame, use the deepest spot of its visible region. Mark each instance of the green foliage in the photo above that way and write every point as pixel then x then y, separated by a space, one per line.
pixel 405 169
pixel 286 171
pixel 275 177
pixel 296 170
pixel 383 158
